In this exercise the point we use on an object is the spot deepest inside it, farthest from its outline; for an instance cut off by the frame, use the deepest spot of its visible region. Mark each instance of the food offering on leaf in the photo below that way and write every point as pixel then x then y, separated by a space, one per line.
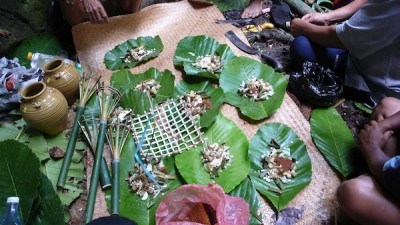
pixel 255 89
pixel 278 166
pixel 195 104
pixel 149 86
pixel 209 63
pixel 133 52
pixel 215 158
pixel 143 185
pixel 202 56
pixel 136 54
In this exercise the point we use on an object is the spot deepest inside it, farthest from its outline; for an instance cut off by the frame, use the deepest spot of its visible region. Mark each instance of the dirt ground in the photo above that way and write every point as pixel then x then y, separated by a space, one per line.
pixel 275 42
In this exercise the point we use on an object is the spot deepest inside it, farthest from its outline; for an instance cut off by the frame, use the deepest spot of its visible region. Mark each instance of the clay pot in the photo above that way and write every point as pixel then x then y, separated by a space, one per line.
pixel 44 108
pixel 63 76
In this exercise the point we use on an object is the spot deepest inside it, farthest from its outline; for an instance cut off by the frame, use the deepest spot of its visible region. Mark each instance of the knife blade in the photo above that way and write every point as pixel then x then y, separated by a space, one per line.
pixel 245 48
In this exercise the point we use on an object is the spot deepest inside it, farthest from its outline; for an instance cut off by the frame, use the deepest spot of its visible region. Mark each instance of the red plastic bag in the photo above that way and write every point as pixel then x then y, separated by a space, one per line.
pixel 176 207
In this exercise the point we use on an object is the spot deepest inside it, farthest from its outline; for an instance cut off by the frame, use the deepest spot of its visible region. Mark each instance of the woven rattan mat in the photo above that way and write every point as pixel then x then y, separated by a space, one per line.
pixel 174 21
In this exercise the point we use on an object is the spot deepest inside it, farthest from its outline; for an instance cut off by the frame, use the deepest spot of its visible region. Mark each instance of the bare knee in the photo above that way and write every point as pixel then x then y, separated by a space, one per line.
pixel 385 108
pixel 351 193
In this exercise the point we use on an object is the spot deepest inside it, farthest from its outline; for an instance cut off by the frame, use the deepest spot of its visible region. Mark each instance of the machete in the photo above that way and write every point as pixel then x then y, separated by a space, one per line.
pixel 244 47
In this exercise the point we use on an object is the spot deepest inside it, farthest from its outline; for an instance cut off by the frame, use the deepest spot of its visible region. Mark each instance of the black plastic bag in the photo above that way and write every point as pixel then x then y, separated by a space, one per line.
pixel 316 85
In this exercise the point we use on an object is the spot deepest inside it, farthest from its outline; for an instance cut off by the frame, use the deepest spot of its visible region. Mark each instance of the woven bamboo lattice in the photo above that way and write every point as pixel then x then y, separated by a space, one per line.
pixel 167 130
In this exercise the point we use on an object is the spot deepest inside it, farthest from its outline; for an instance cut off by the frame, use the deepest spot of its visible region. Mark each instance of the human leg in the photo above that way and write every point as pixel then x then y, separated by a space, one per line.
pixel 73 13
pixel 130 6
pixel 363 200
pixel 253 9
pixel 302 50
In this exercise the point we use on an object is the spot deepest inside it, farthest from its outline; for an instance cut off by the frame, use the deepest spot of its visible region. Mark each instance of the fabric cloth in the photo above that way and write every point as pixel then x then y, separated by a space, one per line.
pixel 372 37
pixel 391 175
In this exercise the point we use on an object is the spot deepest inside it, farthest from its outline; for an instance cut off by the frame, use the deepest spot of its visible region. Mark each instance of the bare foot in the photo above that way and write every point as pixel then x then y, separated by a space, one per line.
pixel 253 9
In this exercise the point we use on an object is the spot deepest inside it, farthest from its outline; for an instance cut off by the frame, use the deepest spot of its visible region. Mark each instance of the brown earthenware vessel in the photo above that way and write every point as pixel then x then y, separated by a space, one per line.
pixel 44 108
pixel 63 76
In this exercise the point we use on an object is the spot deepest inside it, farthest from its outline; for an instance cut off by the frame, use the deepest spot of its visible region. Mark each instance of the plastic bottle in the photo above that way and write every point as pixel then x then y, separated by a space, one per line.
pixel 12 214
pixel 38 60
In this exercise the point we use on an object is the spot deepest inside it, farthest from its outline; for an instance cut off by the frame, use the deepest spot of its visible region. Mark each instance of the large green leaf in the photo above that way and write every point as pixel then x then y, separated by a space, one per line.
pixel 19 176
pixel 248 192
pixel 285 136
pixel 50 210
pixel 75 176
pixel 241 69
pixel 191 47
pixel 214 95
pixel 333 138
pixel 139 101
pixel 223 130
pixel 112 58
pixel 131 205
pixel 43 42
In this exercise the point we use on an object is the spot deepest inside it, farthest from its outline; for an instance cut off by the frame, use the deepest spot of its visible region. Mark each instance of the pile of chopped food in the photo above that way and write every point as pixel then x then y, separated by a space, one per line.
pixel 148 86
pixel 141 183
pixel 215 157
pixel 195 104
pixel 278 166
pixel 210 63
pixel 256 89
pixel 136 54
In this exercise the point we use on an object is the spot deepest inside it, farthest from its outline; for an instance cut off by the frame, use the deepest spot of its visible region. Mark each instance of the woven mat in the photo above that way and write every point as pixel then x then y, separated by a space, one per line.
pixel 174 21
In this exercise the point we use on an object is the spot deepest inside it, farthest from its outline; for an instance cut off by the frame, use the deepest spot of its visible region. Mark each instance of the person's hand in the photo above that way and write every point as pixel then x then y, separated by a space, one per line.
pixel 299 27
pixel 95 11
pixel 316 18
pixel 373 138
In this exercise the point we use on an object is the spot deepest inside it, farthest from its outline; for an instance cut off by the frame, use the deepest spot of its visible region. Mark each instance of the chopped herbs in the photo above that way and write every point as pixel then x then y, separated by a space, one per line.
pixel 148 86
pixel 256 89
pixel 215 158
pixel 278 166
pixel 136 54
pixel 195 104
pixel 210 63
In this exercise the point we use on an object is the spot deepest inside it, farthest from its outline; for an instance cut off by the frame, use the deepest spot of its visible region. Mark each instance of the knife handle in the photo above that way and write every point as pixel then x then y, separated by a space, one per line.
pixel 271 62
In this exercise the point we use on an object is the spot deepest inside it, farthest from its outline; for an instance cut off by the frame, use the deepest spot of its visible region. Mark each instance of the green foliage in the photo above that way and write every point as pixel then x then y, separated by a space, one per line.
pixel 248 192
pixel 113 61
pixel 241 69
pixel 286 137
pixel 212 94
pixel 333 138
pixel 44 42
pixel 19 175
pixel 223 130
pixel 131 204
pixel 40 145
pixel 192 47
pixel 137 100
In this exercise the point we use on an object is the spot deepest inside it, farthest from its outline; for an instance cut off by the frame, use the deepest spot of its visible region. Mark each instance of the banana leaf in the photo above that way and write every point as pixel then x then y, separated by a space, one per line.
pixel 19 175
pixel 223 130
pixel 285 136
pixel 241 69
pixel 226 5
pixel 192 47
pixel 214 95
pixel 73 187
pixel 113 58
pixel 333 138
pixel 131 205
pixel 138 101
pixel 248 192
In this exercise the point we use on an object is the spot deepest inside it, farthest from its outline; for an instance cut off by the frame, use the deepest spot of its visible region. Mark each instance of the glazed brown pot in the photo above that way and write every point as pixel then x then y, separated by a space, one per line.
pixel 44 108
pixel 63 76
